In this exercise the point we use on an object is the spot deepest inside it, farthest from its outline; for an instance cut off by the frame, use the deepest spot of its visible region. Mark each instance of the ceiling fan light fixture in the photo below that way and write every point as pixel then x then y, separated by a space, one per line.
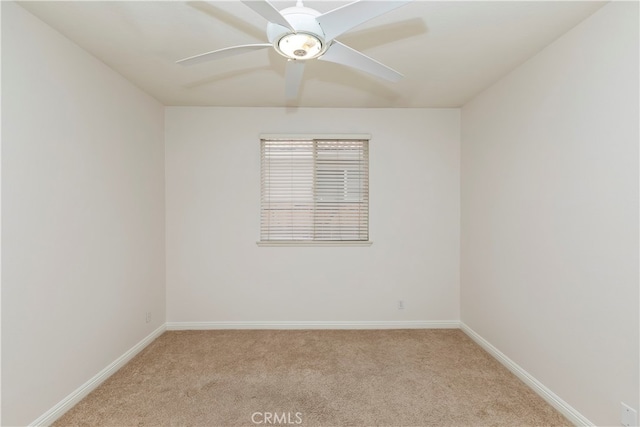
pixel 299 46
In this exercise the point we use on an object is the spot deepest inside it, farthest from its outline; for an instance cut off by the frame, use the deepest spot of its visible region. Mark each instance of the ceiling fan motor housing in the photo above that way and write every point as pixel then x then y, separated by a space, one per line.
pixel 306 42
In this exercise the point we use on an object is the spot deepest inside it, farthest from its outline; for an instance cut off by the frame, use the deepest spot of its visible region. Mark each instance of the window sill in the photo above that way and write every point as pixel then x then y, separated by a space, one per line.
pixel 314 243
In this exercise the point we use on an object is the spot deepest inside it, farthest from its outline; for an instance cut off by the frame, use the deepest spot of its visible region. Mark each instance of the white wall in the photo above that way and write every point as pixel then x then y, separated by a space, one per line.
pixel 550 214
pixel 215 270
pixel 82 216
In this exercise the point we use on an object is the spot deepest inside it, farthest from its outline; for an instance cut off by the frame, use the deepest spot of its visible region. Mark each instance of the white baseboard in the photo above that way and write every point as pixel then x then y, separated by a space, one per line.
pixel 391 324
pixel 81 392
pixel 553 399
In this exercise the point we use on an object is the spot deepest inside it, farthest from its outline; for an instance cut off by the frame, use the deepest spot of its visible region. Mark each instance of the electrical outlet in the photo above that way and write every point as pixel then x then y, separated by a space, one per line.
pixel 628 416
pixel 400 305
pixel 147 317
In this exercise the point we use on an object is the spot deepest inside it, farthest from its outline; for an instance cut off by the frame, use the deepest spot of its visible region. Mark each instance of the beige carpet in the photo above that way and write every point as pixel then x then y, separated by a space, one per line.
pixel 313 378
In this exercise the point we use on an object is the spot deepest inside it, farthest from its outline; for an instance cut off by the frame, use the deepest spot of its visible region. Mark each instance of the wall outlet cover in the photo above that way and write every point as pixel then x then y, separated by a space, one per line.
pixel 628 415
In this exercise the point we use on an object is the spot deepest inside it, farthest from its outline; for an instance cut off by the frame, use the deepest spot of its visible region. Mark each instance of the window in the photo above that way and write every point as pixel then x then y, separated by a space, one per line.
pixel 314 189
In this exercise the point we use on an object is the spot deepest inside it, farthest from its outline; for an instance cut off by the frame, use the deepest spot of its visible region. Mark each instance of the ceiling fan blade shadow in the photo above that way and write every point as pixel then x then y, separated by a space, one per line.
pixel 222 53
pixel 342 54
pixel 268 12
pixel 293 78
pixel 344 18
pixel 384 34
pixel 227 18
pixel 224 76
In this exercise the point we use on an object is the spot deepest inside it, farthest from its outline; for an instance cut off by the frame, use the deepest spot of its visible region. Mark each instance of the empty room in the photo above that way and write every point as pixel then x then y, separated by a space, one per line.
pixel 320 213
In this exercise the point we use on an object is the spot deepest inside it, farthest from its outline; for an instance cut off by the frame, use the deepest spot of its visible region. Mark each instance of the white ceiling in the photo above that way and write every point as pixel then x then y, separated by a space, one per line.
pixel 448 50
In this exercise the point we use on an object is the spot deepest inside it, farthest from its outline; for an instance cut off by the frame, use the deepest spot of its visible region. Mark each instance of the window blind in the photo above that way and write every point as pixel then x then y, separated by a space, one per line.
pixel 314 190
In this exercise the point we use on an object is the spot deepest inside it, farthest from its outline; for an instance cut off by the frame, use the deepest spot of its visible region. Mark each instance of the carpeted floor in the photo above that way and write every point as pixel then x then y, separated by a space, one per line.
pixel 313 378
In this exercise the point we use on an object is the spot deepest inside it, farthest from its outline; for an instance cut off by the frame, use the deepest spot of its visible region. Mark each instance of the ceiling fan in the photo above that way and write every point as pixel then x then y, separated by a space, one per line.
pixel 300 33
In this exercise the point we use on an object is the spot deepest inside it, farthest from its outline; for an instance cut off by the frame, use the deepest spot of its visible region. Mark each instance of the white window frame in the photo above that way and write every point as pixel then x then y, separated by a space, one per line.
pixel 294 137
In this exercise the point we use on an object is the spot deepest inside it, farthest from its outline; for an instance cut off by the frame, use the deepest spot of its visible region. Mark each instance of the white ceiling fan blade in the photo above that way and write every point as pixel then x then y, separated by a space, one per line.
pixel 222 53
pixel 293 78
pixel 342 54
pixel 268 12
pixel 344 18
